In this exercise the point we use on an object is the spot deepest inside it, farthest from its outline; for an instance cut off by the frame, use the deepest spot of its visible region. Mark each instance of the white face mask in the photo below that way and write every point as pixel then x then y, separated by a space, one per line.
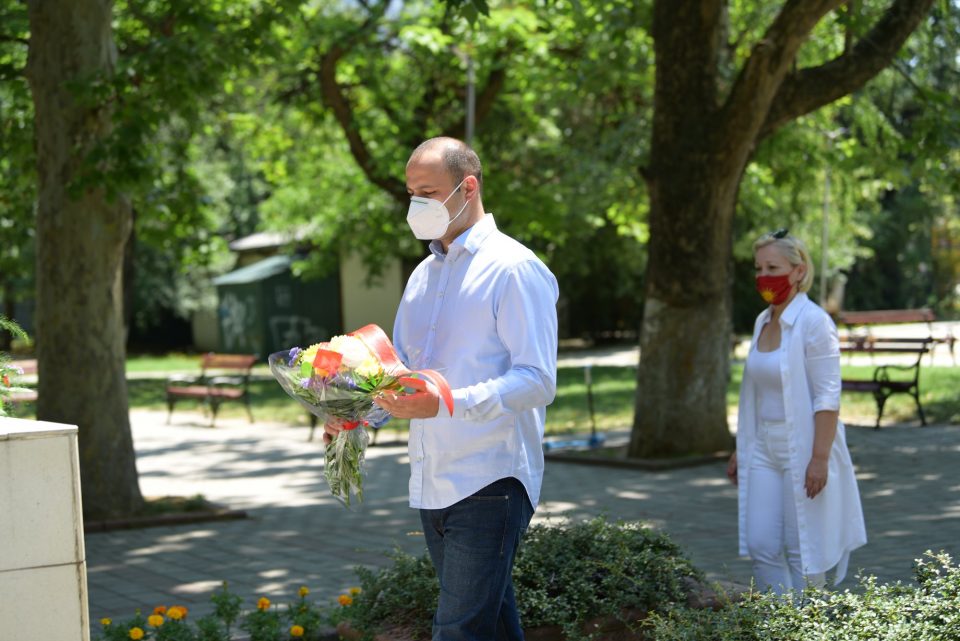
pixel 428 218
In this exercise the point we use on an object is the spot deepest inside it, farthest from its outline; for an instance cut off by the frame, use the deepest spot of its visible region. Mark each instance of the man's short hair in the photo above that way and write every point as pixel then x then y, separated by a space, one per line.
pixel 458 158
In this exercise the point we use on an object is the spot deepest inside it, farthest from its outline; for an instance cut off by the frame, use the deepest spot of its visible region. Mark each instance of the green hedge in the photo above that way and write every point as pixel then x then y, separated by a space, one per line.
pixel 563 575
pixel 928 611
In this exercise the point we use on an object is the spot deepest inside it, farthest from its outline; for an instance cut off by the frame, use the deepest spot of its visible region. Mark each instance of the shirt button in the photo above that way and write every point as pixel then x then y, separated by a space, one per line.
pixel 440 294
pixel 433 327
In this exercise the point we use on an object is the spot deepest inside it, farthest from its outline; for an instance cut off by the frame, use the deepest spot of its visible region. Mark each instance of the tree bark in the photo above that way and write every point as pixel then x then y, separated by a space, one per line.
pixel 81 234
pixel 699 150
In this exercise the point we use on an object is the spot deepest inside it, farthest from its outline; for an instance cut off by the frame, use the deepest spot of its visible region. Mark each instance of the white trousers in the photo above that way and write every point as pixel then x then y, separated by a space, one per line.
pixel 773 540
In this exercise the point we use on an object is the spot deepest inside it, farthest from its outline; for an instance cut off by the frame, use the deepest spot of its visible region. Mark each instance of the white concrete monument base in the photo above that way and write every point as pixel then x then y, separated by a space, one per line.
pixel 43 575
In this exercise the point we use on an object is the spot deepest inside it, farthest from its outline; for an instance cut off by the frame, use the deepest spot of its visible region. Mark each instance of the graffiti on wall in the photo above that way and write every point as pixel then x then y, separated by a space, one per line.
pixel 236 317
pixel 293 330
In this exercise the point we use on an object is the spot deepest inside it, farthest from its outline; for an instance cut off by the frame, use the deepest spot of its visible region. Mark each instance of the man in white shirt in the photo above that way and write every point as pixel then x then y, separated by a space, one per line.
pixel 480 309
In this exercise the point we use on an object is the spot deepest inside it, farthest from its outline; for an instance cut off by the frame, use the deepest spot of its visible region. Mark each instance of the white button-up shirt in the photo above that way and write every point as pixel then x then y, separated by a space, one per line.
pixel 483 315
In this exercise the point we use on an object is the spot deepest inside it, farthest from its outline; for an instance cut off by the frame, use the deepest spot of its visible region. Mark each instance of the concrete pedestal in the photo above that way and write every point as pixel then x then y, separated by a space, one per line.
pixel 43 576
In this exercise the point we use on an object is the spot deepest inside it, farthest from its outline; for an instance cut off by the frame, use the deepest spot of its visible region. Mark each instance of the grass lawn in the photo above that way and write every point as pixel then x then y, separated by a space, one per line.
pixel 613 396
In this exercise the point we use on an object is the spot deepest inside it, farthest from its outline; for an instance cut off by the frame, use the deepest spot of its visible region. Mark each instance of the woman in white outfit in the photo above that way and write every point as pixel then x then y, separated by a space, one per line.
pixel 799 507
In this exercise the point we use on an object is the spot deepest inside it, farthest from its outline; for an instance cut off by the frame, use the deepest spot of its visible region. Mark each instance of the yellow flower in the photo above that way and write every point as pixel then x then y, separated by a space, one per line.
pixel 160 609
pixel 369 367
pixel 177 612
pixel 263 603
pixel 105 621
pixel 136 634
pixel 303 591
pixel 345 599
pixel 296 631
pixel 354 591
pixel 155 620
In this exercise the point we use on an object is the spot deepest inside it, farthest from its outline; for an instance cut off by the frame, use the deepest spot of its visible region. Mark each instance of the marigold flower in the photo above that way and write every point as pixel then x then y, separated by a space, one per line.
pixel 355 591
pixel 136 634
pixel 155 620
pixel 263 603
pixel 105 621
pixel 303 591
pixel 6 380
pixel 177 612
pixel 345 599
pixel 296 631
pixel 160 609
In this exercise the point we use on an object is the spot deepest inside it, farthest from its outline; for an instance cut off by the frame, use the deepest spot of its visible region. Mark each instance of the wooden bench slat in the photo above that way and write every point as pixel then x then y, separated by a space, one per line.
pixel 213 390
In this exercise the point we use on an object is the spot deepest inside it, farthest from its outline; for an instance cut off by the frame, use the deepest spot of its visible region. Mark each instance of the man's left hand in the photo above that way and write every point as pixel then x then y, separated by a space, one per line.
pixel 423 403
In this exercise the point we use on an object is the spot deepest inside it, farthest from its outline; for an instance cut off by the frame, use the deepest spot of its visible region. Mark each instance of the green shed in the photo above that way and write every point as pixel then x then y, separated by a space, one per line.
pixel 263 309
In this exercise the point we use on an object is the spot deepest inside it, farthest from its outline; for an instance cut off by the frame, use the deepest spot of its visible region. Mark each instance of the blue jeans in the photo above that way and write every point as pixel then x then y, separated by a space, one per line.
pixel 472 544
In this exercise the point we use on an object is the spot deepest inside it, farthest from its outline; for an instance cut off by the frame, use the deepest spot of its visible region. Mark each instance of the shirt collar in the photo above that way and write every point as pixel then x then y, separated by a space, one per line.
pixel 470 240
pixel 789 315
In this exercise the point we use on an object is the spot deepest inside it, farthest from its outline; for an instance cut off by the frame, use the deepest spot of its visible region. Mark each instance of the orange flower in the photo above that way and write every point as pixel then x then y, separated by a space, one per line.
pixel 177 612
pixel 6 380
pixel 303 591
pixel 136 634
pixel 155 620
pixel 296 631
pixel 160 609
pixel 326 363
pixel 345 599
pixel 263 603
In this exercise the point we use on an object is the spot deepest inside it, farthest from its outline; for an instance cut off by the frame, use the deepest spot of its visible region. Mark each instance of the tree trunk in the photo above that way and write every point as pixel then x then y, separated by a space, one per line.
pixel 701 144
pixel 685 337
pixel 80 244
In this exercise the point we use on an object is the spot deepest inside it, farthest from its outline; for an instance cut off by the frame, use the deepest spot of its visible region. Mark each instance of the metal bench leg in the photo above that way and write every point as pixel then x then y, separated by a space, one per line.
pixel 214 408
pixel 916 399
pixel 881 399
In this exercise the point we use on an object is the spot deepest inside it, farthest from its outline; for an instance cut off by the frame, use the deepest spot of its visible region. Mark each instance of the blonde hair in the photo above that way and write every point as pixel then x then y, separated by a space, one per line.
pixel 794 250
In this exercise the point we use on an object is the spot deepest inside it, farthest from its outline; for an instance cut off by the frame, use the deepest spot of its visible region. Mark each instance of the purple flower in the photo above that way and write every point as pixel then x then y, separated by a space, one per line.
pixel 292 356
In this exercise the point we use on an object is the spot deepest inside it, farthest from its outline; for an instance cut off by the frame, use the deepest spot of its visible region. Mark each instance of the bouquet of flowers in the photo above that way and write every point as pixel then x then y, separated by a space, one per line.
pixel 338 380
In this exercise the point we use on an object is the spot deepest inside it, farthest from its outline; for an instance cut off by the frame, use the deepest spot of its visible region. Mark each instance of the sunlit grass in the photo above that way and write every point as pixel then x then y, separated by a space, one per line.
pixel 613 391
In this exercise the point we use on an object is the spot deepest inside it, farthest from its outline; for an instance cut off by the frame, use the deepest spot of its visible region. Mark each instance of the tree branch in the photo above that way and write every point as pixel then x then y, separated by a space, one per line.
pixel 335 98
pixel 770 61
pixel 809 89
pixel 17 39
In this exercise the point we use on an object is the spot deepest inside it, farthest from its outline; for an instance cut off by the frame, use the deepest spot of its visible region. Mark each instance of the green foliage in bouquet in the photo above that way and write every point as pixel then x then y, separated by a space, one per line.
pixel 928 611
pixel 563 575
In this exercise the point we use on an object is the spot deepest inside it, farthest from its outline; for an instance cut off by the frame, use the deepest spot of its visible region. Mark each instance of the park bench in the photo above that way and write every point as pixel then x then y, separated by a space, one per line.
pixel 223 377
pixel 859 323
pixel 888 379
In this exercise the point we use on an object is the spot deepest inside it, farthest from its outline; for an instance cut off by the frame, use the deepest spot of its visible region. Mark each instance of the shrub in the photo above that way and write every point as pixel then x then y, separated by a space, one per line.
pixel 928 611
pixel 563 575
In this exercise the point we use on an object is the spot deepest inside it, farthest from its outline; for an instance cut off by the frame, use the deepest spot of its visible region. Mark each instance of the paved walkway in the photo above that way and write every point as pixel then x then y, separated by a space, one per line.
pixel 298 535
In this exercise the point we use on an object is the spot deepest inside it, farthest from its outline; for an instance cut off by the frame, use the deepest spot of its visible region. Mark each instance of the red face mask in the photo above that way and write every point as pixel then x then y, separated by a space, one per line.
pixel 774 289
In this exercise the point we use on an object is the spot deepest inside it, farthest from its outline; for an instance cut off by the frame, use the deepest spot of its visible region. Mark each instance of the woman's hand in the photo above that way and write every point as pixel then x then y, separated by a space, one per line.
pixel 816 477
pixel 732 468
